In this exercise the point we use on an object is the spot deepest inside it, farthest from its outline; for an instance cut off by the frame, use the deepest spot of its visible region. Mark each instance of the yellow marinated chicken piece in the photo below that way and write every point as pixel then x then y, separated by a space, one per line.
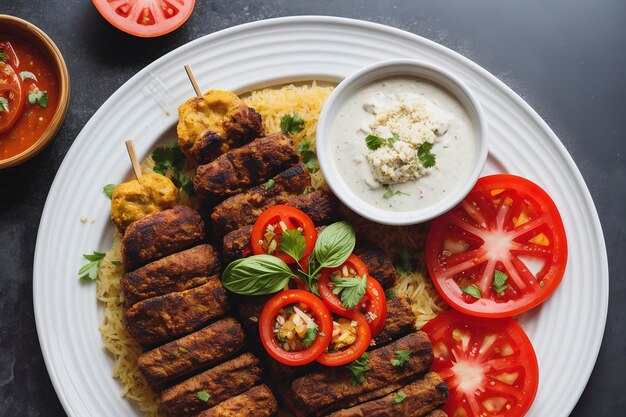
pixel 136 199
pixel 215 123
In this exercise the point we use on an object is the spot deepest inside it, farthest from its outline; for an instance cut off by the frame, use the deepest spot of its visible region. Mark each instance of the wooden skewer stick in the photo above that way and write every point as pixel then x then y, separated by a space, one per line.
pixel 130 146
pixel 192 78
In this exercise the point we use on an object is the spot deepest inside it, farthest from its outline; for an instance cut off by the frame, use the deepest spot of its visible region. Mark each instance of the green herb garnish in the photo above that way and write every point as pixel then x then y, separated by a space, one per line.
pixel 116 263
pixel 390 294
pixel 256 275
pixel 182 350
pixel 391 192
pixel 499 278
pixel 291 123
pixel 170 161
pixel 28 74
pixel 38 97
pixel 203 396
pixel 293 243
pixel 401 358
pixel 350 290
pixel 269 184
pixel 108 190
pixel 374 142
pixel 405 262
pixel 398 397
pixel 4 57
pixel 358 368
pixel 425 156
pixel 472 290
pixel 4 105
pixel 309 336
pixel 89 271
pixel 308 155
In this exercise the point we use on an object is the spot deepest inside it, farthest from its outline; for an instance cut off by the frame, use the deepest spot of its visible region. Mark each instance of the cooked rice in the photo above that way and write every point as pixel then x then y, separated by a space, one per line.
pixel 272 104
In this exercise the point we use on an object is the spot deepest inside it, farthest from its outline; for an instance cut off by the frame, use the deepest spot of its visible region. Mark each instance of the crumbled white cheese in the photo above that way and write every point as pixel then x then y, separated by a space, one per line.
pixel 411 120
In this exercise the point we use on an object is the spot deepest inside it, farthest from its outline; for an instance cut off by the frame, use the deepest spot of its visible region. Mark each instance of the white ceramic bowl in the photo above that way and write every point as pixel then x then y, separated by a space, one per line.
pixel 383 70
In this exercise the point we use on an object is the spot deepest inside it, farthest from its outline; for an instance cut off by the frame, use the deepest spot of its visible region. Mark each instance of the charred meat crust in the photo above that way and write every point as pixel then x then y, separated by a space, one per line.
pixel 379 265
pixel 422 397
pixel 256 402
pixel 161 234
pixel 243 209
pixel 329 389
pixel 178 272
pixel 237 244
pixel 220 383
pixel 212 344
pixel 175 314
pixel 400 320
pixel 244 167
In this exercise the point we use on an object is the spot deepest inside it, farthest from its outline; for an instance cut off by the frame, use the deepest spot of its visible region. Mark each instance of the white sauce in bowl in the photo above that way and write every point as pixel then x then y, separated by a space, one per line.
pixel 444 123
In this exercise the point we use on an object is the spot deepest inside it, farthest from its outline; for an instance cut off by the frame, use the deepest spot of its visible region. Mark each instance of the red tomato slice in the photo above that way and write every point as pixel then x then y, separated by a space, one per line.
pixel 145 18
pixel 373 304
pixel 507 227
pixel 489 365
pixel 7 49
pixel 355 350
pixel 12 92
pixel 278 218
pixel 322 318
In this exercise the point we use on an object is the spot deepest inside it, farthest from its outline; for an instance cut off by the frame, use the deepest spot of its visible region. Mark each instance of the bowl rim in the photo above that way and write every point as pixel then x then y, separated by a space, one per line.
pixel 47 45
pixel 386 69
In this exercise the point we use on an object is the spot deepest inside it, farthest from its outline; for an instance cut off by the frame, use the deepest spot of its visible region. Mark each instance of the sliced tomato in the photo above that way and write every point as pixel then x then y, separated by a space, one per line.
pixel 373 304
pixel 489 365
pixel 7 49
pixel 322 318
pixel 501 251
pixel 12 92
pixel 355 350
pixel 145 18
pixel 271 224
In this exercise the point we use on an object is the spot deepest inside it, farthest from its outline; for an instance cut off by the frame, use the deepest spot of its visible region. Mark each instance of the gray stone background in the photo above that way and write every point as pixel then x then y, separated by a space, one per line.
pixel 566 58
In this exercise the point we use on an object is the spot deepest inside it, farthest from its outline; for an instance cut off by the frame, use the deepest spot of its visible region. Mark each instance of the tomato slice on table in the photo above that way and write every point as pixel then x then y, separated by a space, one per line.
pixel 362 338
pixel 489 365
pixel 272 224
pixel 318 339
pixel 12 97
pixel 145 18
pixel 373 304
pixel 501 251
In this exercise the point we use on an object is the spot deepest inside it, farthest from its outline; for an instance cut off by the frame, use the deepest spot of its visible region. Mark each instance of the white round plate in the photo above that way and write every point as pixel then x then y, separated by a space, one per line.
pixel 566 331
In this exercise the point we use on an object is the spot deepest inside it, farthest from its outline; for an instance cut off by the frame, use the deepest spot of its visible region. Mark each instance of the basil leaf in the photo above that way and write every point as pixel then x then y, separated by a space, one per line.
pixel 108 190
pixel 350 290
pixel 334 245
pixel 425 156
pixel 293 244
pixel 499 278
pixel 256 275
pixel 358 368
pixel 27 74
pixel 472 290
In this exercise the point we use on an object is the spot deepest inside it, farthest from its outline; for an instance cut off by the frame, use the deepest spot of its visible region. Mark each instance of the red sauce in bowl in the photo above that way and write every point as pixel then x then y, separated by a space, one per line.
pixel 33 118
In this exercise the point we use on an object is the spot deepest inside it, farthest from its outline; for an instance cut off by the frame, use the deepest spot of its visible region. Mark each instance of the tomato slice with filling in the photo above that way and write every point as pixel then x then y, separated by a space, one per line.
pixel 322 319
pixel 12 92
pixel 145 18
pixel 501 251
pixel 354 350
pixel 489 365
pixel 272 223
pixel 373 304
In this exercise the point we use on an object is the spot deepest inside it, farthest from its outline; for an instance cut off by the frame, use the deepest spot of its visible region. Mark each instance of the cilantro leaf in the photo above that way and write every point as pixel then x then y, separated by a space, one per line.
pixel 350 290
pixel 293 243
pixel 269 184
pixel 472 290
pixel 291 123
pixel 401 358
pixel 309 157
pixel 89 271
pixel 390 294
pixel 38 97
pixel 203 396
pixel 405 262
pixel 499 279
pixel 27 74
pixel 391 192
pixel 374 142
pixel 358 367
pixel 398 397
pixel 309 336
pixel 108 190
pixel 3 57
pixel 4 105
pixel 425 156
pixel 169 160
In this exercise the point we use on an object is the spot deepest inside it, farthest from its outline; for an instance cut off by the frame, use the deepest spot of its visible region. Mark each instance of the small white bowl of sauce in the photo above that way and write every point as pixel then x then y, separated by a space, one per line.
pixel 401 142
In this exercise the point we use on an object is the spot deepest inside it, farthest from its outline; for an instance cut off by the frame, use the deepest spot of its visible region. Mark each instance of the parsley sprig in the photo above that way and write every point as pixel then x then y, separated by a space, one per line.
pixel 170 161
pixel 308 155
pixel 391 192
pixel 38 97
pixel 374 142
pixel 358 368
pixel 89 271
pixel 401 358
pixel 405 262
pixel 425 156
pixel 291 123
pixel 309 336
